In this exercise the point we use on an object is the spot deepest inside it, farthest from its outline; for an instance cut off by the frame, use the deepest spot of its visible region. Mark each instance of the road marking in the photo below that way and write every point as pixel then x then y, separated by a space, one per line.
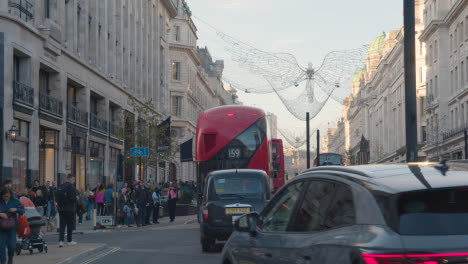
pixel 113 250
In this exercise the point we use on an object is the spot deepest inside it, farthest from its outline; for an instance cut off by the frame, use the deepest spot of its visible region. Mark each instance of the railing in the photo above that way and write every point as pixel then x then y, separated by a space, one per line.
pixel 454 132
pixel 115 130
pixel 98 123
pixel 21 8
pixel 23 93
pixel 77 115
pixel 50 104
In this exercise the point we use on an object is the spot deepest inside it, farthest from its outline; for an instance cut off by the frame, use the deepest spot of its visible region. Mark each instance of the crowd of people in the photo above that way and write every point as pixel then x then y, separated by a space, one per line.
pixel 134 203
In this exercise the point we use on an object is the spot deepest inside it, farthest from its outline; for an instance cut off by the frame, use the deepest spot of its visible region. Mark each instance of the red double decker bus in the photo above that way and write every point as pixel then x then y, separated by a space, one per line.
pixel 278 163
pixel 230 137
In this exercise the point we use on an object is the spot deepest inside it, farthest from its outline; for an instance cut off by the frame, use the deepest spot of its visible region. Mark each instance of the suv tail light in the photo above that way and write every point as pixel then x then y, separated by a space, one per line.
pixel 205 213
pixel 414 258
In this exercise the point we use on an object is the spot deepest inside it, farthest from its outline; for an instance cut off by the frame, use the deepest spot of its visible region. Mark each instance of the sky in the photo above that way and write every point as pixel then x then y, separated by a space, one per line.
pixel 308 29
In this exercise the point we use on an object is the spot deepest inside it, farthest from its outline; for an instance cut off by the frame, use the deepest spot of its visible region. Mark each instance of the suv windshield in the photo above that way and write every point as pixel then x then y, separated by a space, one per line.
pixel 228 187
pixel 438 212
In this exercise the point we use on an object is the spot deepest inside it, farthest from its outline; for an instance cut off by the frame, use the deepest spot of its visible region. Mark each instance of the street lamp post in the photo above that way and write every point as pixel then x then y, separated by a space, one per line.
pixel 410 82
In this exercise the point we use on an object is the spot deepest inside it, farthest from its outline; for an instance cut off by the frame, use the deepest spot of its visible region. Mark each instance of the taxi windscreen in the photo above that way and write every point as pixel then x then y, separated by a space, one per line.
pixel 236 186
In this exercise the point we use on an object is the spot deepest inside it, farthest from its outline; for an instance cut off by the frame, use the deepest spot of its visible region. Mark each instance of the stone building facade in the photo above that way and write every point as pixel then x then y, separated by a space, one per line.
pixel 446 39
pixel 374 113
pixel 195 85
pixel 68 69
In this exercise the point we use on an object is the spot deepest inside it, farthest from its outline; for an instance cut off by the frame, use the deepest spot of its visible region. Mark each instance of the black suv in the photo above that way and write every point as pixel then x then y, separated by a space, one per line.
pixel 398 214
pixel 229 194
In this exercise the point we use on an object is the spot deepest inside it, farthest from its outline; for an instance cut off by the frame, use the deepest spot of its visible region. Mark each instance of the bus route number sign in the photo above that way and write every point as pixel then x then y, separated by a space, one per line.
pixel 234 153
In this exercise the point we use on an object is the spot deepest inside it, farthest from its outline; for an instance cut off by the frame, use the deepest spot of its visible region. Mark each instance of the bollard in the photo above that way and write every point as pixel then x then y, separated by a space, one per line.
pixel 94 218
pixel 57 219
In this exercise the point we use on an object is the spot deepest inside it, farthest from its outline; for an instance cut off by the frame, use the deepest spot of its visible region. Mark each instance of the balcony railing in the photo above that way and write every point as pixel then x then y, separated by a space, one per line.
pixel 50 104
pixel 454 132
pixel 23 94
pixel 22 9
pixel 115 130
pixel 98 123
pixel 77 115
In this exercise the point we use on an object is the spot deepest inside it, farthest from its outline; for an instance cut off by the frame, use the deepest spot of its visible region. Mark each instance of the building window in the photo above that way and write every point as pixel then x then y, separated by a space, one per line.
pixel 176 71
pixel 451 82
pixel 436 87
pixel 20 156
pixel 424 134
pixel 462 30
pixel 451 41
pixel 455 40
pixel 462 74
pixel 436 50
pixel 114 165
pixel 176 106
pixel 96 164
pixel 466 27
pixel 47 8
pixel 48 155
pixel 177 33
pixel 455 80
pixel 44 82
pixel 16 68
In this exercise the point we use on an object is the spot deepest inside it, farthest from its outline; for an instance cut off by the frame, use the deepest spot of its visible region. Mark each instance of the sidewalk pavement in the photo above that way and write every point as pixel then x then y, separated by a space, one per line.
pixel 87 226
pixel 67 254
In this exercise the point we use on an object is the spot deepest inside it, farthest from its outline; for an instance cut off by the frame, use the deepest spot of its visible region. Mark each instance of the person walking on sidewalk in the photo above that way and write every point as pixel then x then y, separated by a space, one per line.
pixel 88 198
pixel 172 200
pixel 156 203
pixel 109 200
pixel 141 203
pixel 125 207
pixel 100 199
pixel 9 207
pixel 66 199
pixel 149 204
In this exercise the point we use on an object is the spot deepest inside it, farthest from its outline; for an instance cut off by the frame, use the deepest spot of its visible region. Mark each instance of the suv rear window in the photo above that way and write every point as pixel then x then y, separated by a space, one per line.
pixel 434 212
pixel 235 186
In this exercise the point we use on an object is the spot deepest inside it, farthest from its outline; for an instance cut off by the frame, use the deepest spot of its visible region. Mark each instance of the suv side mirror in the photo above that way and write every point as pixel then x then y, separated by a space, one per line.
pixel 247 223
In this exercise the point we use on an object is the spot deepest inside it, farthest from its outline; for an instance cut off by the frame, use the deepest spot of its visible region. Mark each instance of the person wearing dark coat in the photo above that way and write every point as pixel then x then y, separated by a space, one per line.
pixel 9 207
pixel 141 201
pixel 67 210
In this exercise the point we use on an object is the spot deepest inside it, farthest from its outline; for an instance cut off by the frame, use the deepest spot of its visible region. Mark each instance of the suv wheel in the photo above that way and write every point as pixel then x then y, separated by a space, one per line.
pixel 207 245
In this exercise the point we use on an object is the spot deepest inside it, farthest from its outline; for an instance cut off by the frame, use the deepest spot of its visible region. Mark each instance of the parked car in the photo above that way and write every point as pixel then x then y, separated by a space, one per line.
pixel 414 213
pixel 229 194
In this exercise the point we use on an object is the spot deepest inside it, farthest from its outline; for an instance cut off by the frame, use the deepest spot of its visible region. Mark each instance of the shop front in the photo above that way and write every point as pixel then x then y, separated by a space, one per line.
pixel 96 164
pixel 20 179
pixel 76 158
pixel 48 155
pixel 114 171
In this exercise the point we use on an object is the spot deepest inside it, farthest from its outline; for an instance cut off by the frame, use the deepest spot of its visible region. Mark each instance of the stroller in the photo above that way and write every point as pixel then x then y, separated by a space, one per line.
pixel 35 239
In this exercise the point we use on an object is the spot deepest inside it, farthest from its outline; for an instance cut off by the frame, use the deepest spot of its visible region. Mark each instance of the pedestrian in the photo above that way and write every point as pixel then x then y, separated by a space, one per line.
pixel 80 207
pixel 125 208
pixel 9 207
pixel 66 199
pixel 88 199
pixel 40 202
pixel 100 199
pixel 149 205
pixel 156 204
pixel 141 203
pixel 7 183
pixel 173 196
pixel 109 200
pixel 35 186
